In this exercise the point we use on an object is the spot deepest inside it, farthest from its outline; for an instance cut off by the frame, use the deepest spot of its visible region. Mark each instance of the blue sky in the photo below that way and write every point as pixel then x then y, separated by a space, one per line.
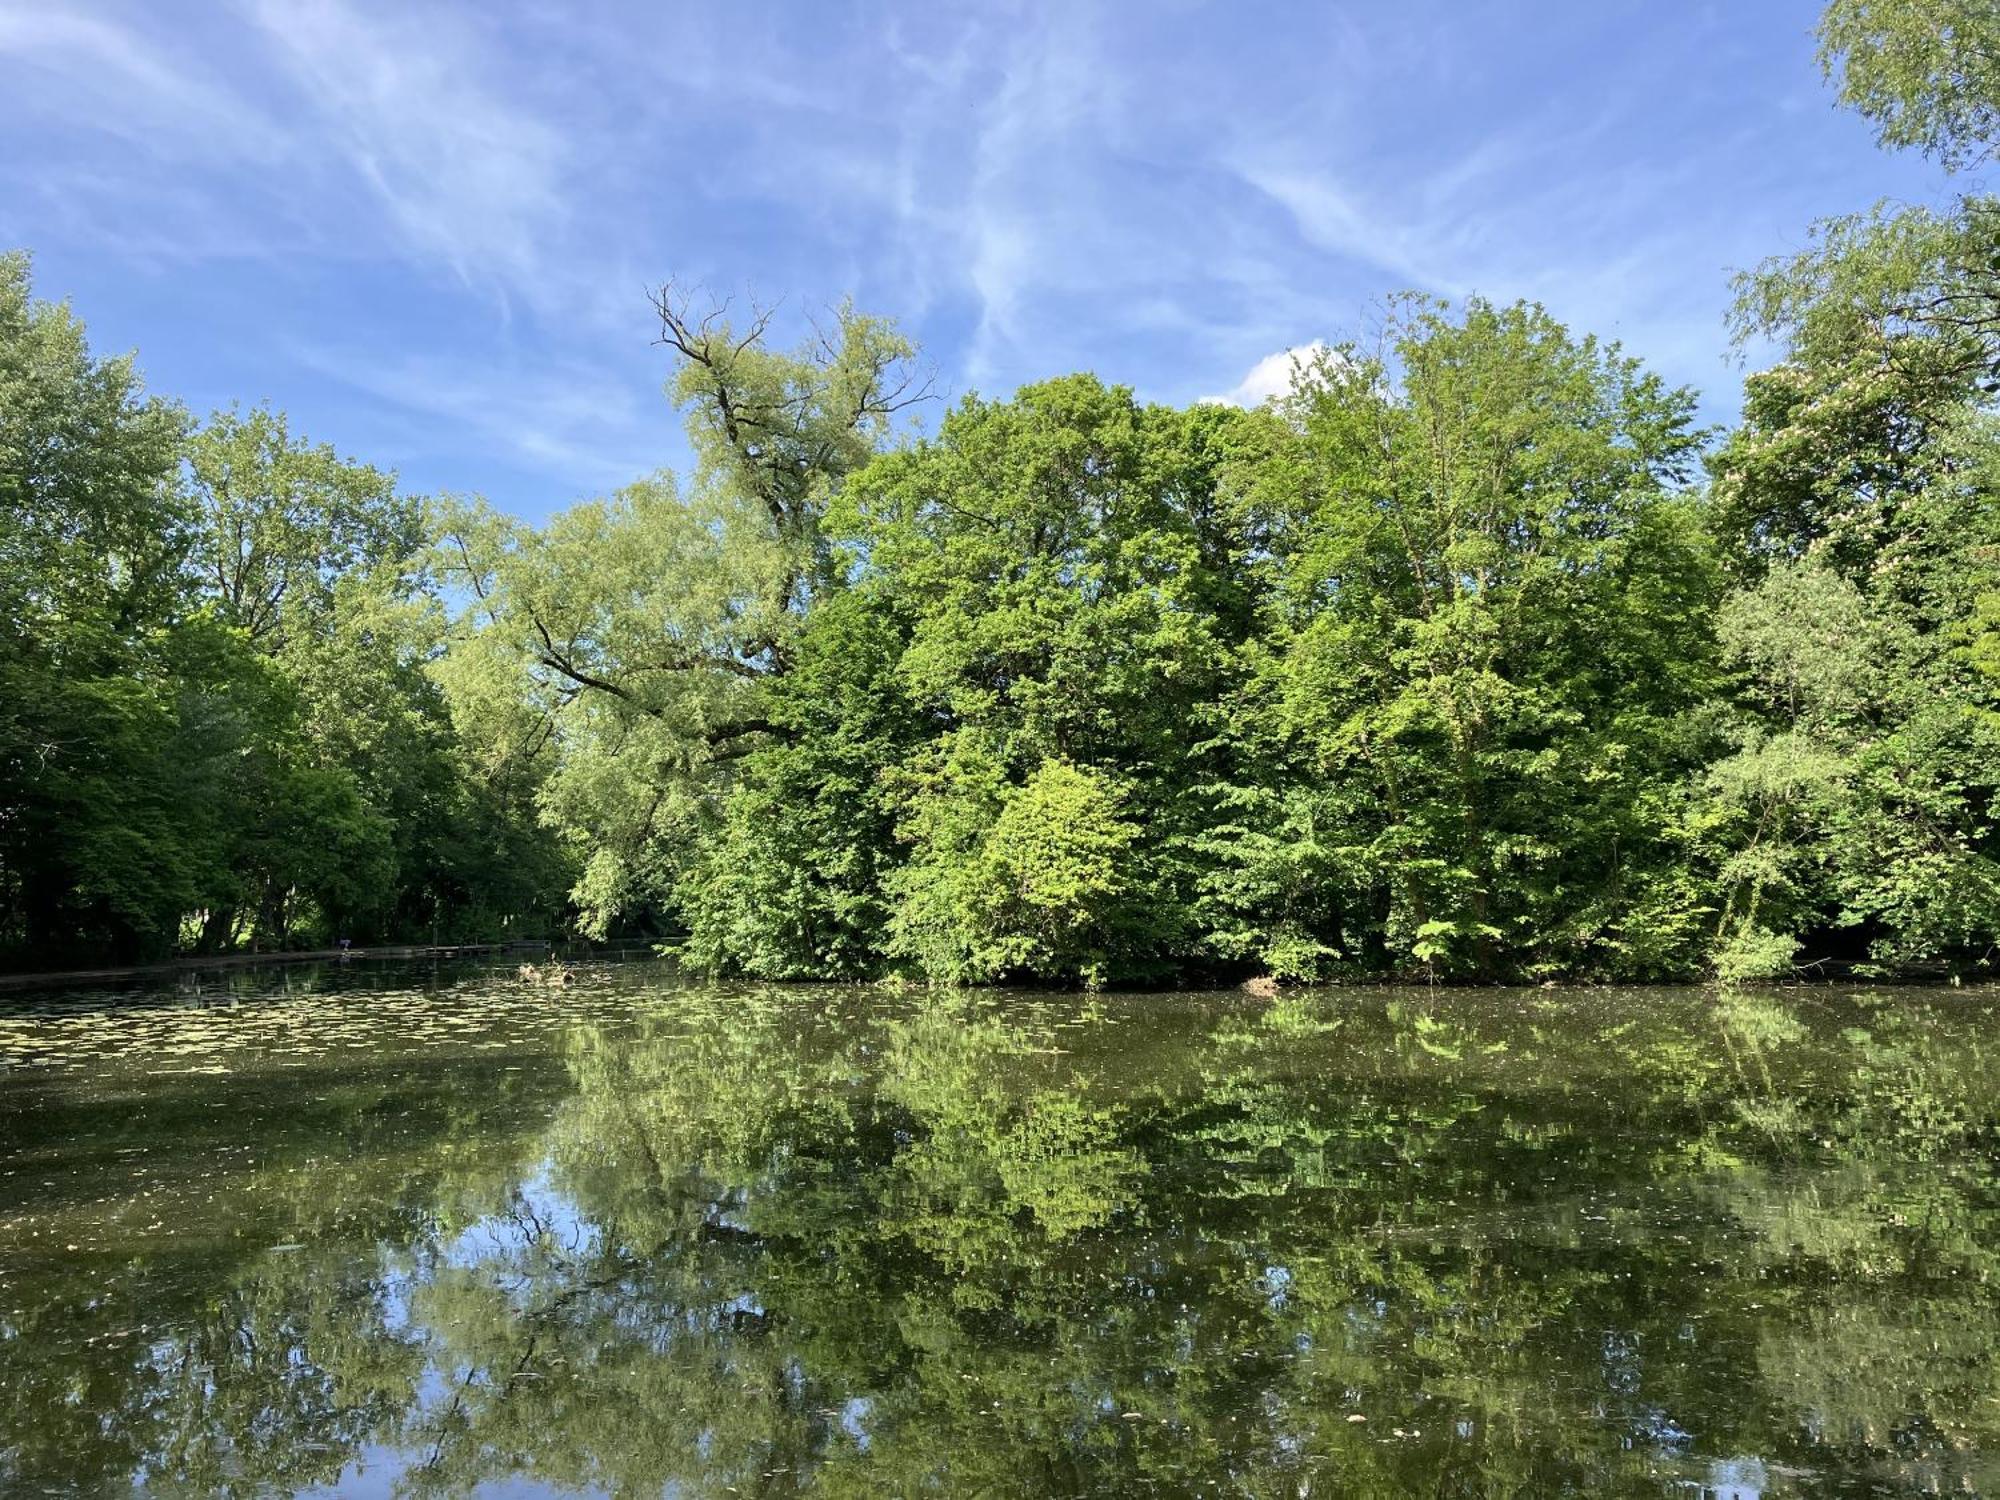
pixel 428 231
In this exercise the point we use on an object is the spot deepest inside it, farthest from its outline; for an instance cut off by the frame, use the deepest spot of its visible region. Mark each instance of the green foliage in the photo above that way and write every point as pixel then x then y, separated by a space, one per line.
pixel 1857 505
pixel 1926 72
pixel 630 647
pixel 1068 570
pixel 1492 627
pixel 216 727
pixel 1035 879
pixel 1452 663
pixel 1751 952
pixel 93 525
pixel 1433 669
pixel 281 521
pixel 623 649
pixel 790 883
pixel 1857 805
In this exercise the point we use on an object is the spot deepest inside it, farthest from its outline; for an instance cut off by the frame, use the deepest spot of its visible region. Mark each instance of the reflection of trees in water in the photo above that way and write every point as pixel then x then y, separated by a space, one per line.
pixel 777 1244
pixel 261 1335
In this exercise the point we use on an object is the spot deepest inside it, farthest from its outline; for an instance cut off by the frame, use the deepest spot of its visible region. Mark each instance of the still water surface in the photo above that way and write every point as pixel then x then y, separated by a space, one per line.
pixel 383 1231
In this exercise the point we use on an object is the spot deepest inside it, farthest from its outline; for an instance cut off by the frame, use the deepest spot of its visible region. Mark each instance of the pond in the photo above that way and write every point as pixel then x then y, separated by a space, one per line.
pixel 372 1230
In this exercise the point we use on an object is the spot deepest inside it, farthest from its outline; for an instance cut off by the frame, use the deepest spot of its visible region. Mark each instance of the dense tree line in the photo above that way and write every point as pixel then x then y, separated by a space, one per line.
pixel 217 724
pixel 1471 657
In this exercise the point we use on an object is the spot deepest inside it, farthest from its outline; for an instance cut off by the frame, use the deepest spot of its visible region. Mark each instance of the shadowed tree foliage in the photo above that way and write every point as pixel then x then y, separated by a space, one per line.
pixel 1469 657
pixel 217 723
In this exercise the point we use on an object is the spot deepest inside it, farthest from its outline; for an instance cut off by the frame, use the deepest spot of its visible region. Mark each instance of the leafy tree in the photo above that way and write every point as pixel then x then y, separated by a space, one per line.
pixel 1044 885
pixel 1494 605
pixel 357 810
pixel 635 641
pixel 281 520
pixel 93 530
pixel 1071 568
pixel 1857 500
pixel 792 880
pixel 216 721
pixel 1927 73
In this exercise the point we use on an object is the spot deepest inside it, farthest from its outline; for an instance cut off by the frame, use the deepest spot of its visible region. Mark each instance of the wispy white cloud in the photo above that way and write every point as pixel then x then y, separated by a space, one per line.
pixel 1556 225
pixel 353 131
pixel 585 425
pixel 488 191
pixel 1020 198
pixel 92 71
pixel 1329 216
pixel 1272 375
pixel 414 109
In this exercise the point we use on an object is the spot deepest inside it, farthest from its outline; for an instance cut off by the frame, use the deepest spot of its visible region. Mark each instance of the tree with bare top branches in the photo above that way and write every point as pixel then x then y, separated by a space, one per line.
pixel 647 628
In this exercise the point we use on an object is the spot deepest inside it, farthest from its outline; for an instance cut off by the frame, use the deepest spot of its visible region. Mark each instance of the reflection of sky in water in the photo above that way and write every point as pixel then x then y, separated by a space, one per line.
pixel 658 1237
pixel 854 1414
pixel 1735 1479
pixel 385 1474
pixel 538 1218
pixel 1277 1283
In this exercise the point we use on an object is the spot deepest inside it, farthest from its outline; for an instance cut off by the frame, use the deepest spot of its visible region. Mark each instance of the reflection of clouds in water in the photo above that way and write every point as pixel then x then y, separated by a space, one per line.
pixel 1654 1423
pixel 1276 1282
pixel 1736 1479
pixel 814 1238
pixel 537 1217
pixel 854 1415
